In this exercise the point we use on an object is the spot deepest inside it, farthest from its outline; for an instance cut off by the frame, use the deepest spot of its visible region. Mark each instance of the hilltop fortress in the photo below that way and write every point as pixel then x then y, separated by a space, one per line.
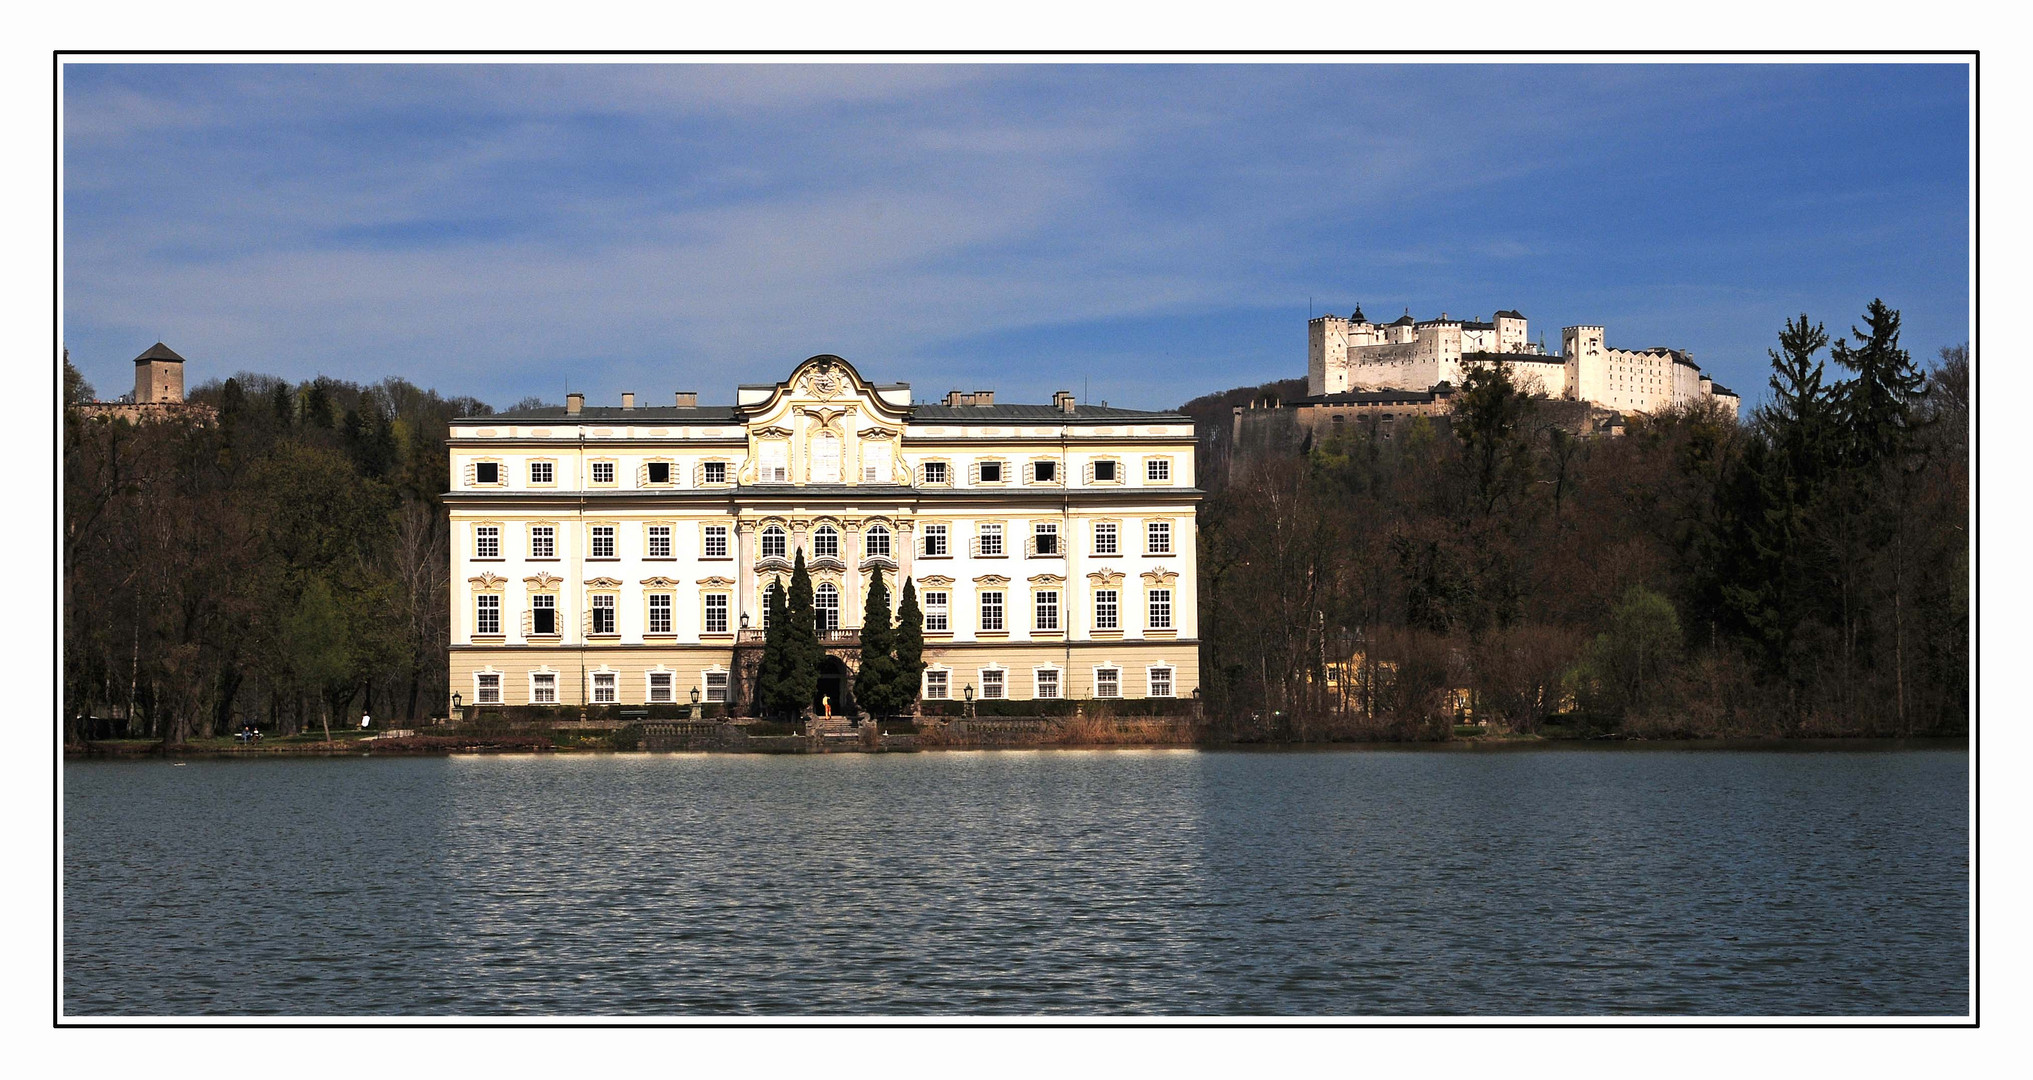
pixel 1353 355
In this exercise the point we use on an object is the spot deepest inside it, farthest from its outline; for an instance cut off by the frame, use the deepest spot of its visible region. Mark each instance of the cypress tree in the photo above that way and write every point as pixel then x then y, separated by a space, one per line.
pixel 802 651
pixel 875 687
pixel 768 692
pixel 910 648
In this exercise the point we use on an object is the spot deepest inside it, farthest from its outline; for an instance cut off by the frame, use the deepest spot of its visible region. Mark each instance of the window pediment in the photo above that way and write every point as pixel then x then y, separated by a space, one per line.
pixel 488 580
pixel 992 579
pixel 543 580
pixel 603 583
pixel 1159 576
pixel 717 582
pixel 660 582
pixel 936 581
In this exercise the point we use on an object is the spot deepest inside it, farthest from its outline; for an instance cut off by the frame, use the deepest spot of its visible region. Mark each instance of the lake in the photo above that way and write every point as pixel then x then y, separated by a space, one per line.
pixel 1167 882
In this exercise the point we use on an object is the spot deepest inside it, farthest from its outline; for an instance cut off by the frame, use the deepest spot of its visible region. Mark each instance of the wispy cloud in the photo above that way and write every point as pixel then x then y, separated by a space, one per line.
pixel 498 229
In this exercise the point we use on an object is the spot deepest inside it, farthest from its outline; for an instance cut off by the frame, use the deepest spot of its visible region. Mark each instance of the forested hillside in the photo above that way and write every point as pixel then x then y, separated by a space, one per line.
pixel 286 566
pixel 1802 572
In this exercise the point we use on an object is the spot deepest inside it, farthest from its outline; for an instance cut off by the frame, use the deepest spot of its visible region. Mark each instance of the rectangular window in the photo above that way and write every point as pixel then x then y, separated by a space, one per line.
pixel 1158 469
pixel 543 614
pixel 487 542
pixel 716 686
pixel 935 472
pixel 716 613
pixel 543 542
pixel 991 472
pixel 1107 610
pixel 776 462
pixel 876 463
pixel 991 684
pixel 1108 682
pixel 603 613
pixel 660 613
pixel 1161 682
pixel 1104 471
pixel 1046 605
pixel 991 539
pixel 935 541
pixel 715 472
pixel 543 689
pixel 488 472
pixel 659 472
pixel 603 472
pixel 488 690
pixel 1160 534
pixel 659 686
pixel 1046 538
pixel 603 542
pixel 659 541
pixel 487 614
pixel 935 610
pixel 991 611
pixel 1044 472
pixel 716 542
pixel 1161 609
pixel 1048 683
pixel 603 688
pixel 539 472
pixel 1105 538
pixel 935 685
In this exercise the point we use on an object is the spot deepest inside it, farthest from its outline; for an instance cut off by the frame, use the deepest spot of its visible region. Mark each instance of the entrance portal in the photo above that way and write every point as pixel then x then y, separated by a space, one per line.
pixel 836 686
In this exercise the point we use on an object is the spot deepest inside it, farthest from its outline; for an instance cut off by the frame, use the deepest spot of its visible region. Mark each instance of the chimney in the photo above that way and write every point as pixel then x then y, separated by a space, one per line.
pixel 983 397
pixel 955 398
pixel 1063 401
pixel 688 399
pixel 573 403
pixel 628 399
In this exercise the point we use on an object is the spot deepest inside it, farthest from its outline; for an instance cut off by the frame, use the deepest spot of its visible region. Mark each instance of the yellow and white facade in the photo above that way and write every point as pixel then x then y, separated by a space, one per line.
pixel 621 555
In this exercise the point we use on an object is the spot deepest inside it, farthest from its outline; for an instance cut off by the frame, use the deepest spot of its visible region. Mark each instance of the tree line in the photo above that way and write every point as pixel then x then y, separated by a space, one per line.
pixel 1804 571
pixel 285 566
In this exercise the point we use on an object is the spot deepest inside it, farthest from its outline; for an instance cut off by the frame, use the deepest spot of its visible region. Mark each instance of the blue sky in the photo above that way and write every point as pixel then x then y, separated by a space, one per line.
pixel 1140 234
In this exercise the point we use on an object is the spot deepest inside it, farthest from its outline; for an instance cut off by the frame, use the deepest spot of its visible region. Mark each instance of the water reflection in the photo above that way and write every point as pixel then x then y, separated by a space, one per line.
pixel 1145 882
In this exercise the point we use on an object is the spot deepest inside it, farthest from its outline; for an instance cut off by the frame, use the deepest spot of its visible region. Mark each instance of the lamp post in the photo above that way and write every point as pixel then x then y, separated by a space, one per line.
pixel 697 712
pixel 744 620
pixel 968 693
pixel 457 714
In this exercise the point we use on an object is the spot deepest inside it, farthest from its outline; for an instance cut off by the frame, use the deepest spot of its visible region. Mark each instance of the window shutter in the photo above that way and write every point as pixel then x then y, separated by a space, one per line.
pixel 528 621
pixel 1087 473
pixel 974 473
pixel 469 474
pixel 699 474
pixel 974 547
pixel 642 475
pixel 921 475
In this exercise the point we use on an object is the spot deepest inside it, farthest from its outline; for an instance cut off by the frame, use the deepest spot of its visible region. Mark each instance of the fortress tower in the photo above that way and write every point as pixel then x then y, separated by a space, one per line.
pixel 159 376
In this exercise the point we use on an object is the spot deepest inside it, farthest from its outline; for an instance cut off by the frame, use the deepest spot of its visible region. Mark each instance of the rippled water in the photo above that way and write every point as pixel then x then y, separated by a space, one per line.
pixel 1160 882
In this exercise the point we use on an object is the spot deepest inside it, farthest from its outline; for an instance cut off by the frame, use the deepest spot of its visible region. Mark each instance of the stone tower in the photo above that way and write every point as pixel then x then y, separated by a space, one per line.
pixel 159 376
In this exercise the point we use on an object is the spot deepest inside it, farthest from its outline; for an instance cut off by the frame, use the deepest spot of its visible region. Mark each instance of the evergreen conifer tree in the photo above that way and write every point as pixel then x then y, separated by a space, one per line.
pixel 768 692
pixel 1877 405
pixel 910 648
pixel 875 687
pixel 802 651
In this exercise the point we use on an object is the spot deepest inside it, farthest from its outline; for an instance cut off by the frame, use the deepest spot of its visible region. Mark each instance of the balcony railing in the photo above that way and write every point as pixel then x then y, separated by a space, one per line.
pixel 837 636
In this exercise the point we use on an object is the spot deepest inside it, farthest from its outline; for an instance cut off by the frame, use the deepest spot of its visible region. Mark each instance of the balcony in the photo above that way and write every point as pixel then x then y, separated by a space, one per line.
pixel 836 636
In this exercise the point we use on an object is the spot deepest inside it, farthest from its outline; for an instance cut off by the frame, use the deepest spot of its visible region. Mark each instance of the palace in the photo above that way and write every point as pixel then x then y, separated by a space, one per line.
pixel 1354 354
pixel 620 555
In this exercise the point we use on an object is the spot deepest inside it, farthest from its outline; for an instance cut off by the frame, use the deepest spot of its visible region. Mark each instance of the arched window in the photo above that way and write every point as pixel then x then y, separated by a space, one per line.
pixel 826 604
pixel 773 541
pixel 826 543
pixel 877 541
